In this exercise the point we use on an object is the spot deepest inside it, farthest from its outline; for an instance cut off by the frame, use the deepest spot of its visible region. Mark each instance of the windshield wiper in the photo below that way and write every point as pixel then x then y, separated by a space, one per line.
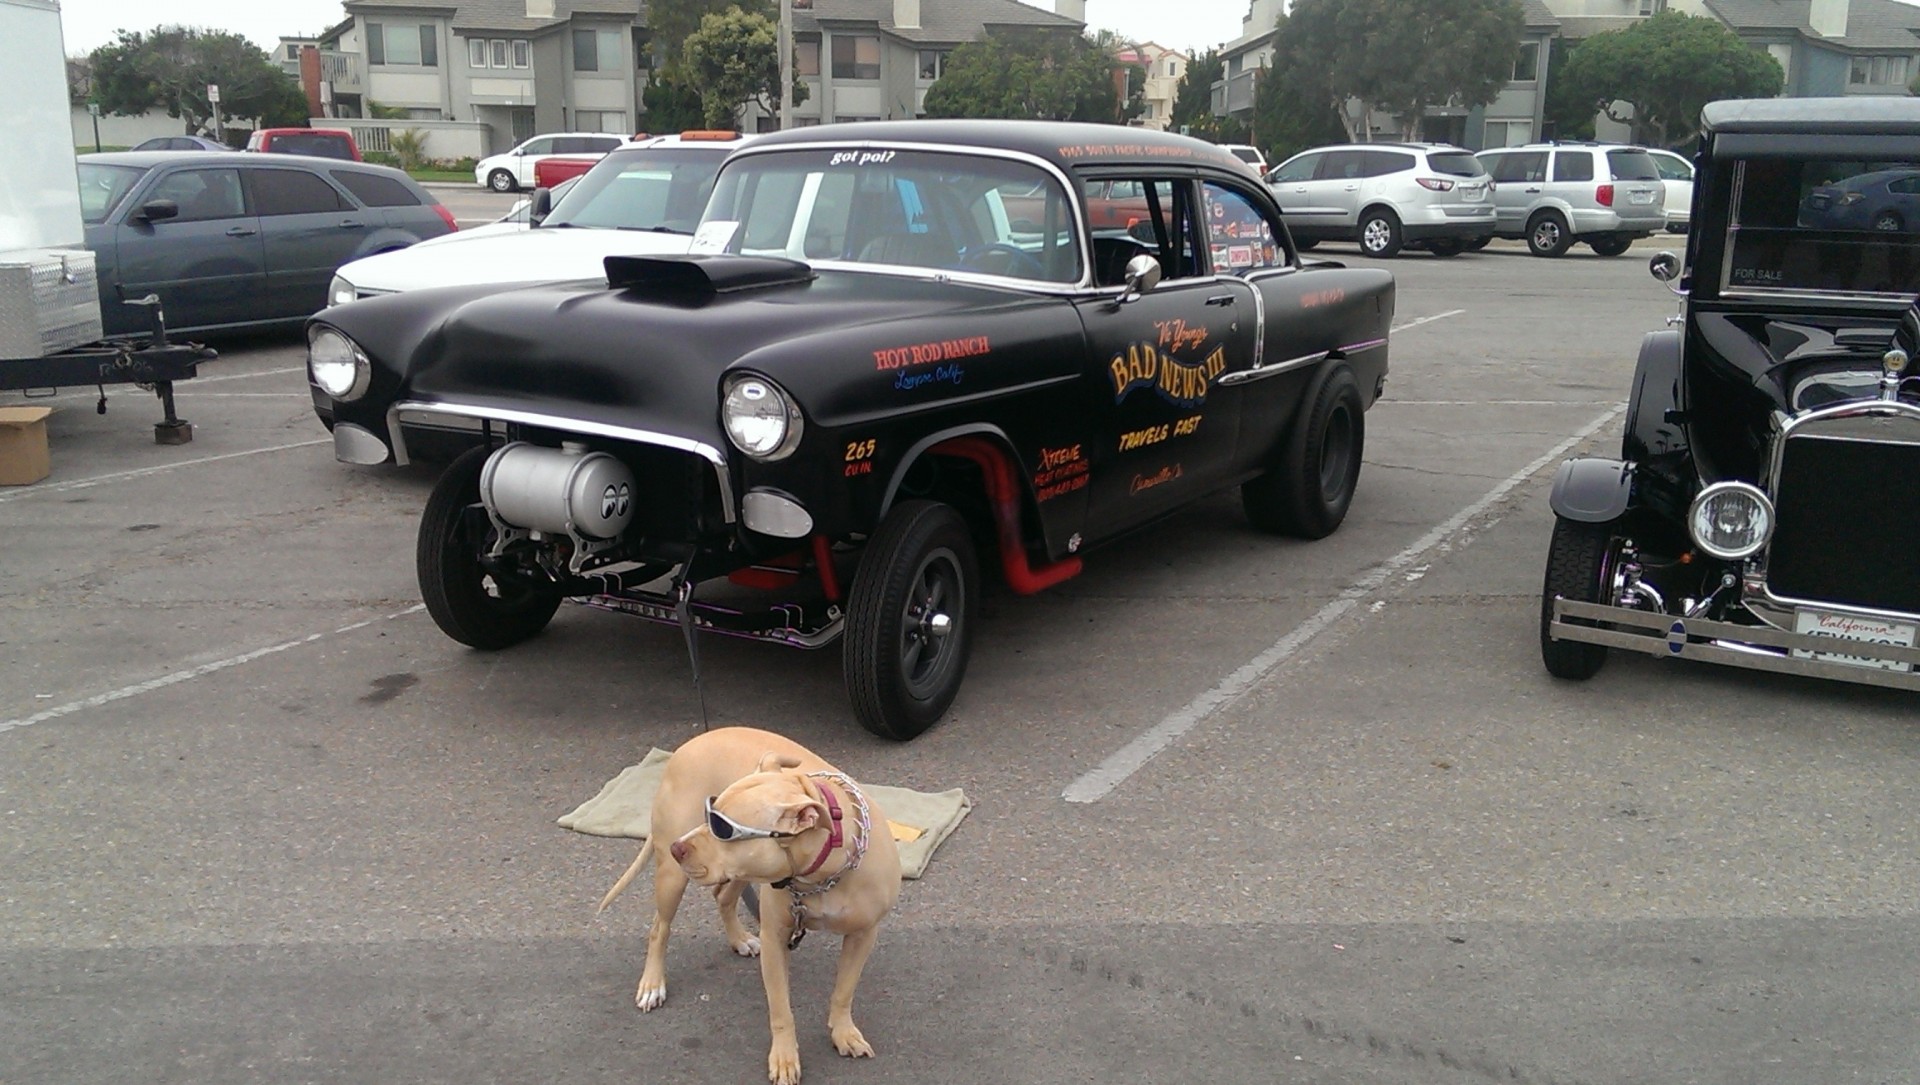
pixel 655 230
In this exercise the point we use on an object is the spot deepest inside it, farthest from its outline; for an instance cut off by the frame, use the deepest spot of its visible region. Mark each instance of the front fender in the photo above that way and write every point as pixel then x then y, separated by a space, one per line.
pixel 1656 432
pixel 1592 491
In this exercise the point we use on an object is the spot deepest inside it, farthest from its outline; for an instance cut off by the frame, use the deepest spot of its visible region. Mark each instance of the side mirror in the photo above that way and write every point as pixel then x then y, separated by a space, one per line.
pixel 1143 274
pixel 539 206
pixel 1664 266
pixel 158 211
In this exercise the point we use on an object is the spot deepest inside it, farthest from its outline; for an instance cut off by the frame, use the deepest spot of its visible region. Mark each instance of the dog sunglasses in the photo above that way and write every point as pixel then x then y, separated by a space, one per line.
pixel 725 828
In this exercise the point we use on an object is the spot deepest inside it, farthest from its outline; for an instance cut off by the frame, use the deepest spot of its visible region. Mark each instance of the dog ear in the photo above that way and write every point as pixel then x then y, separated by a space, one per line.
pixel 773 762
pixel 798 817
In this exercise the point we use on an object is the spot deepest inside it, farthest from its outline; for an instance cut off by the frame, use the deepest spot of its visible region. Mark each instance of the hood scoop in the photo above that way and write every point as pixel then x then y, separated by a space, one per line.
pixel 721 274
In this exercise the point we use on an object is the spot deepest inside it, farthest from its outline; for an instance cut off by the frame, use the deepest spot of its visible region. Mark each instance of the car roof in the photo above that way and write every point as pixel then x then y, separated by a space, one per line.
pixel 247 159
pixel 302 131
pixel 1863 113
pixel 1066 144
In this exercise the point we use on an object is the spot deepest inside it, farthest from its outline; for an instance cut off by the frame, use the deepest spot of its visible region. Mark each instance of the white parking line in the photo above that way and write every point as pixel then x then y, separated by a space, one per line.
pixel 142 472
pixel 1099 781
pixel 1425 320
pixel 178 677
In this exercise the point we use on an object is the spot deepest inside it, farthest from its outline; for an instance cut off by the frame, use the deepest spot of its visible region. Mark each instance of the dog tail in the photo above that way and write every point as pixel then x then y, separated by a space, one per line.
pixel 626 879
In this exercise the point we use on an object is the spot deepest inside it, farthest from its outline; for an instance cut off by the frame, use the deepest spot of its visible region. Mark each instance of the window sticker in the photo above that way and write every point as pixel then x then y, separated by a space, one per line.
pixel 713 237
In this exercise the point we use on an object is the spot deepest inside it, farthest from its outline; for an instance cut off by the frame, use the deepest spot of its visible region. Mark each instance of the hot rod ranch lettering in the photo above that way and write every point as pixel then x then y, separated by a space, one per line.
pixel 945 350
pixel 1176 381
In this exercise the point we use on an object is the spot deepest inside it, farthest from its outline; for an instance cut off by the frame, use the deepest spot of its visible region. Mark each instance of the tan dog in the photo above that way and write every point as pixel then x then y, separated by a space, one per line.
pixel 792 823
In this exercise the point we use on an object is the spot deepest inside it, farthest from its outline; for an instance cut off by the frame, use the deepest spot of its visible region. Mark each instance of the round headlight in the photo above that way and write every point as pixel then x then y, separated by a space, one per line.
pixel 1730 520
pixel 336 365
pixel 340 292
pixel 760 419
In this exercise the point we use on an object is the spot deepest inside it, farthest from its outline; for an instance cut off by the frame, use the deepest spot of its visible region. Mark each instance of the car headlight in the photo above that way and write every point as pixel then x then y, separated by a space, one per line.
pixel 1730 520
pixel 336 365
pixel 761 419
pixel 340 292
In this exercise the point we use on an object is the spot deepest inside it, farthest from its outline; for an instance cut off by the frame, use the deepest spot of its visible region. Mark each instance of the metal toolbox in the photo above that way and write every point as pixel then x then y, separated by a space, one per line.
pixel 49 302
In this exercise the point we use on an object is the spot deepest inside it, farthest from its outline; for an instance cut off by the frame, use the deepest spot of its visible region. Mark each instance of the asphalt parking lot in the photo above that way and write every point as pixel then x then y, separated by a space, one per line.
pixel 1245 809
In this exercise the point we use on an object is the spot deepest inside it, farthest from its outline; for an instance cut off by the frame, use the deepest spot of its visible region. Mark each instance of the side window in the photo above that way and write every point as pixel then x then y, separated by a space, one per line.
pixel 1343 165
pixel 1522 166
pixel 1573 166
pixel 1239 237
pixel 1381 163
pixel 292 192
pixel 1672 169
pixel 374 190
pixel 537 146
pixel 203 195
pixel 601 146
pixel 1299 169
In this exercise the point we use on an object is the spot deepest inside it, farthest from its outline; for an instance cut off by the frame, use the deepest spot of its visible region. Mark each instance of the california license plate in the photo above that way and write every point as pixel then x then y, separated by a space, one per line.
pixel 1844 627
pixel 1641 197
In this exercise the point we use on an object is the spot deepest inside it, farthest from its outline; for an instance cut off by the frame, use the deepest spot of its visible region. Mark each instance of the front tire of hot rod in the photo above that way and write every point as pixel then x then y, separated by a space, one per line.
pixel 910 619
pixel 1307 492
pixel 467 602
pixel 1579 562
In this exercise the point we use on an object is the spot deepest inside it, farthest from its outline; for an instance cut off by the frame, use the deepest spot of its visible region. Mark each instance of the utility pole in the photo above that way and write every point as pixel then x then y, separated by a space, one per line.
pixel 786 64
pixel 93 109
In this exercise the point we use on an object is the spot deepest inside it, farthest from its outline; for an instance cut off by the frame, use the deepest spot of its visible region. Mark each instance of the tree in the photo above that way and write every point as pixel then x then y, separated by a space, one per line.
pixel 735 57
pixel 1400 56
pixel 672 22
pixel 170 67
pixel 1663 71
pixel 1567 115
pixel 1289 117
pixel 671 107
pixel 1037 74
pixel 1193 98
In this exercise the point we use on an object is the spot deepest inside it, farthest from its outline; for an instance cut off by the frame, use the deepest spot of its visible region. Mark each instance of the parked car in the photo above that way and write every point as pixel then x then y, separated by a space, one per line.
pixel 1676 172
pixel 1555 194
pixel 861 369
pixel 1249 154
pixel 1761 513
pixel 510 171
pixel 239 240
pixel 180 143
pixel 318 142
pixel 643 198
pixel 1886 200
pixel 1387 196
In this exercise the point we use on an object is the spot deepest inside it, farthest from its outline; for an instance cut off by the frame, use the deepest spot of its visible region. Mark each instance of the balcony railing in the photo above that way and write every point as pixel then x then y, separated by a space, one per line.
pixel 340 69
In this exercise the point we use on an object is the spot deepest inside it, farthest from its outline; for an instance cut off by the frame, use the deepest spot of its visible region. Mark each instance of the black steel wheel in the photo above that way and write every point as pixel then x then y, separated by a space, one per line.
pixel 1610 246
pixel 503 181
pixel 468 602
pixel 1306 494
pixel 910 619
pixel 1547 234
pixel 1380 233
pixel 1579 567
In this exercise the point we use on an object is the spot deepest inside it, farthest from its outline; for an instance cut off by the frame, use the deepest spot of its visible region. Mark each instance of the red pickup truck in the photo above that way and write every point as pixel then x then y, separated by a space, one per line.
pixel 549 172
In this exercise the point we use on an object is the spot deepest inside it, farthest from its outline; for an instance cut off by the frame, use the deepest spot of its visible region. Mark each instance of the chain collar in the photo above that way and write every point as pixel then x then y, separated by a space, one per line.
pixel 796 889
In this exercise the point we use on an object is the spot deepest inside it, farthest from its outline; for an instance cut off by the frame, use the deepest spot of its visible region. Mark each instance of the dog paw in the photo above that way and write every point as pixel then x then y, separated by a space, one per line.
pixel 783 1066
pixel 748 946
pixel 849 1042
pixel 650 996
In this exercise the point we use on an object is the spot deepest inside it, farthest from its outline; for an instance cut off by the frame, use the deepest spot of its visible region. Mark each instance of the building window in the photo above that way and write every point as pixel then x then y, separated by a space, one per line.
pixel 293 52
pixel 522 53
pixel 856 56
pixel 414 43
pixel 592 120
pixel 497 52
pixel 476 53
pixel 1507 133
pixel 806 56
pixel 933 63
pixel 1879 71
pixel 1526 66
pixel 1173 69
pixel 596 50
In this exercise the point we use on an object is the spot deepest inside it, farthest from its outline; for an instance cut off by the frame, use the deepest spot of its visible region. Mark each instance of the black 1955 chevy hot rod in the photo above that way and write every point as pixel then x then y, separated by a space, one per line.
pixel 1762 512
pixel 893 346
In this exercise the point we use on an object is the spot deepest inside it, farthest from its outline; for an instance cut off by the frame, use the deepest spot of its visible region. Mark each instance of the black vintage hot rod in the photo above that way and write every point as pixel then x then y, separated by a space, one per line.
pixel 1762 512
pixel 892 347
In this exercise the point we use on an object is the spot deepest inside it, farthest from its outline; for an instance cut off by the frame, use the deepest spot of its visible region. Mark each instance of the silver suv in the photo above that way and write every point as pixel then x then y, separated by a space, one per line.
pixel 1386 196
pixel 1554 194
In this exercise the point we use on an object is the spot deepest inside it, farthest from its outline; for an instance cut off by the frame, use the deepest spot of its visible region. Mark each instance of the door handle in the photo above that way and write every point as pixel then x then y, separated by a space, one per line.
pixel 350 224
pixel 1531 191
pixel 1353 188
pixel 1220 299
pixel 241 231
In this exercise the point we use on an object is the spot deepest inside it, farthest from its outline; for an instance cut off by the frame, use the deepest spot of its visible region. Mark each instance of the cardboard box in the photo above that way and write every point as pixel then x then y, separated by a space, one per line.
pixel 23 445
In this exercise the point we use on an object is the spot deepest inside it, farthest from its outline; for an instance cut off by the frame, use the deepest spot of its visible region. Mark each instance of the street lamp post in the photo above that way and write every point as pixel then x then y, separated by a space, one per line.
pixel 93 109
pixel 786 64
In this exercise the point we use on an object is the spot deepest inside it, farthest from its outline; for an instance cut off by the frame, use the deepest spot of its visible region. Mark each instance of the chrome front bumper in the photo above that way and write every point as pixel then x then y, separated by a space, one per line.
pixel 1756 648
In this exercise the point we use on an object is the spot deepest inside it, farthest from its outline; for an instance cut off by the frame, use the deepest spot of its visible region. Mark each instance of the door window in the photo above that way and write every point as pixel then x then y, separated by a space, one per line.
pixel 374 190
pixel 537 146
pixel 1300 169
pixel 1381 163
pixel 1573 166
pixel 1239 236
pixel 202 195
pixel 1521 166
pixel 293 192
pixel 1344 165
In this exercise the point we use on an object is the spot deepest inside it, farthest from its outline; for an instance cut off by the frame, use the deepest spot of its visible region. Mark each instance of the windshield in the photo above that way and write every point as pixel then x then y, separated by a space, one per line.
pixel 1632 166
pixel 102 187
pixel 646 189
pixel 1825 225
pixel 1455 163
pixel 921 209
pixel 322 144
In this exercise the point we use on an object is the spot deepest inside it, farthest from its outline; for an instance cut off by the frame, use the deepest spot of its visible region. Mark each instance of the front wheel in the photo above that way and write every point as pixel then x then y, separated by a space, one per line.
pixel 1579 567
pixel 1547 235
pixel 1307 493
pixel 466 600
pixel 1380 234
pixel 502 181
pixel 910 619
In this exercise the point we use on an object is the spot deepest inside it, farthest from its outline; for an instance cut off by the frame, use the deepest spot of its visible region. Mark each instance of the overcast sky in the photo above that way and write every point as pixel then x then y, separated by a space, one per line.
pixel 1180 24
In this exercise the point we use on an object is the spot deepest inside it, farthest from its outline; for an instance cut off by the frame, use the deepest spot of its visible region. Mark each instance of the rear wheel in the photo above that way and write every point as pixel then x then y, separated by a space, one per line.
pixel 1478 243
pixel 502 181
pixel 1307 493
pixel 1305 244
pixel 467 601
pixel 1610 246
pixel 1446 248
pixel 1579 567
pixel 1380 233
pixel 1547 234
pixel 1889 222
pixel 910 619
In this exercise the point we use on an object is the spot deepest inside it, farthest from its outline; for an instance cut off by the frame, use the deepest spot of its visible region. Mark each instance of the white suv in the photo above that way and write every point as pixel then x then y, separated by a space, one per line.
pixel 1386 196
pixel 1248 153
pixel 1554 194
pixel 510 171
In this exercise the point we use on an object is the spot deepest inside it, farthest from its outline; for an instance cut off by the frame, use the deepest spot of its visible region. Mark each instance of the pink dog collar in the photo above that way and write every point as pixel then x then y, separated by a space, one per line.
pixel 833 832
